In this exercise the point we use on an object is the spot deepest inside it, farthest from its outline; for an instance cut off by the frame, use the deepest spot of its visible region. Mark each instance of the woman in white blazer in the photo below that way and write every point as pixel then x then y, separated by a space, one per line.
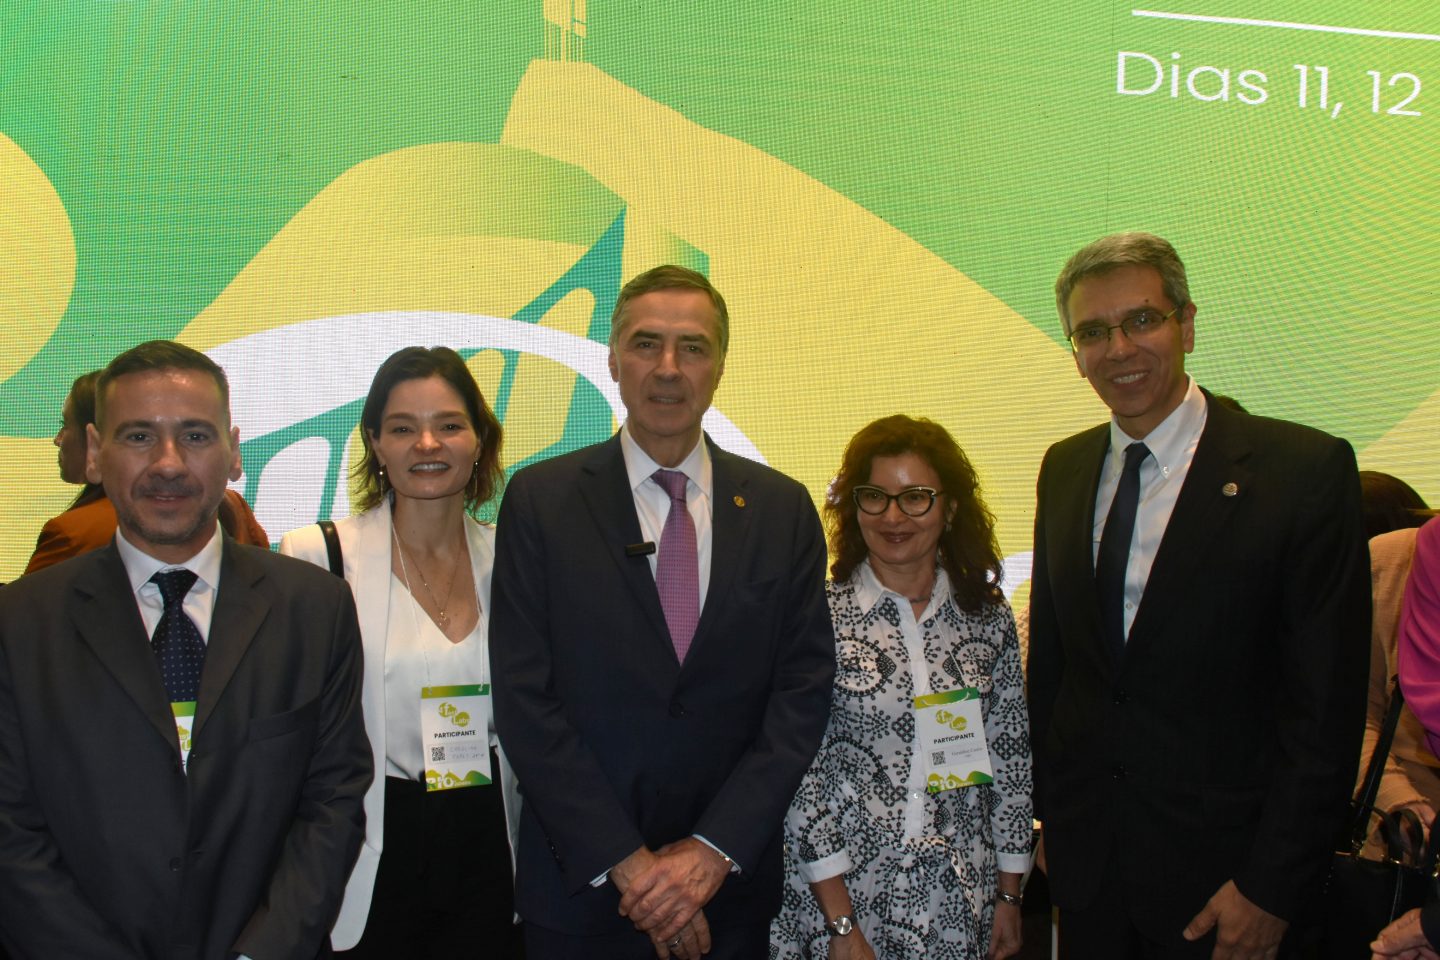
pixel 434 875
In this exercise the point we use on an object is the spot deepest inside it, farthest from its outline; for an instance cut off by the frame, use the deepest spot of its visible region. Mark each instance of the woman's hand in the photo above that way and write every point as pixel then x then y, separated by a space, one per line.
pixel 1005 934
pixel 854 946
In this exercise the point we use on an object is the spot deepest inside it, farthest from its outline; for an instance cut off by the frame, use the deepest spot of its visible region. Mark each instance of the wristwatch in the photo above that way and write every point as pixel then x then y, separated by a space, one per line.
pixel 841 925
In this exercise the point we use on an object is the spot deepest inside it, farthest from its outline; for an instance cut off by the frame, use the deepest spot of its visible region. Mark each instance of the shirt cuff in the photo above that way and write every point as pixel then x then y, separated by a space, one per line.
pixel 734 867
pixel 826 867
pixel 1012 862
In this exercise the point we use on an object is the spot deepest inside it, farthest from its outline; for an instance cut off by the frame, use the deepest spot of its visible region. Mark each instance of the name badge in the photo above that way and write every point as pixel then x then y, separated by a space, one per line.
pixel 952 739
pixel 184 713
pixel 455 734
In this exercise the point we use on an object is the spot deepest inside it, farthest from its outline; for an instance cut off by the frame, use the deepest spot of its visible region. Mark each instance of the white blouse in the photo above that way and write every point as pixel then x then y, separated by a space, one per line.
pixel 418 655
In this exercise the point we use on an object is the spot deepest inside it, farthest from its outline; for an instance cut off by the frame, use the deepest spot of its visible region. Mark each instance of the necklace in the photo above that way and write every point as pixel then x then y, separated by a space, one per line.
pixel 442 619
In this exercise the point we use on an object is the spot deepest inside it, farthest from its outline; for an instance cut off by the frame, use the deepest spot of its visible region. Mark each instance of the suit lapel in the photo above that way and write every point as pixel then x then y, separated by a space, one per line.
pixel 611 502
pixel 108 621
pixel 239 611
pixel 1201 512
pixel 729 522
pixel 1075 495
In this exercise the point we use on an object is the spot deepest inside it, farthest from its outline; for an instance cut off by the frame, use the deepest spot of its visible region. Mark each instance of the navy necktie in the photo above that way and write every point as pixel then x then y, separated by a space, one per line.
pixel 177 644
pixel 1114 554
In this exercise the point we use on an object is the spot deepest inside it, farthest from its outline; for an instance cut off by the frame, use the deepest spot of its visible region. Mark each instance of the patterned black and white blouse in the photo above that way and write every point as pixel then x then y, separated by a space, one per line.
pixel 920 867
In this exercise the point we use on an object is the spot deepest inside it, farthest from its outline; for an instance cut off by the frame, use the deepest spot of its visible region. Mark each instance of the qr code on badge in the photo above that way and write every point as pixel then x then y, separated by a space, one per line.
pixel 937 758
pixel 437 754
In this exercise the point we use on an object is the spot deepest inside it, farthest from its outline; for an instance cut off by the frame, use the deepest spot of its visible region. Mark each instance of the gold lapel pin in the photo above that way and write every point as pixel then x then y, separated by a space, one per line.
pixel 739 500
pixel 1230 489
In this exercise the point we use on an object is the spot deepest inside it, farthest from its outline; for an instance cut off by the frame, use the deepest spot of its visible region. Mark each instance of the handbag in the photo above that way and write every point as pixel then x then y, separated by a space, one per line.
pixel 332 547
pixel 1363 895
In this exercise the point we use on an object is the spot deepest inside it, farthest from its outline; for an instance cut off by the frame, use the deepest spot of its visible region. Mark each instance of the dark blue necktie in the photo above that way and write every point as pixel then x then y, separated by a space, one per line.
pixel 1114 554
pixel 178 647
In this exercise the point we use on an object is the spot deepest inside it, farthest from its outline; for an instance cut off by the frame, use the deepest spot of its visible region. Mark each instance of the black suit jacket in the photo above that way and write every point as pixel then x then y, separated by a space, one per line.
pixel 108 849
pixel 614 743
pixel 1223 744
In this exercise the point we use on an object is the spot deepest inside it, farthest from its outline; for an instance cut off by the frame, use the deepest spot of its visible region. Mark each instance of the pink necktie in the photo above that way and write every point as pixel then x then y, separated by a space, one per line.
pixel 677 569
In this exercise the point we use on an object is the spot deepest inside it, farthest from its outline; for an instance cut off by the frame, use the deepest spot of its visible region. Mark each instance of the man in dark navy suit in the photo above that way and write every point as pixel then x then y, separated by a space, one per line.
pixel 1198 639
pixel 663 659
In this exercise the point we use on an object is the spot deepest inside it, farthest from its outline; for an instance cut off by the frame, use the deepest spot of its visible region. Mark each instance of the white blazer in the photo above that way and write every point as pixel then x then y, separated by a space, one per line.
pixel 365 542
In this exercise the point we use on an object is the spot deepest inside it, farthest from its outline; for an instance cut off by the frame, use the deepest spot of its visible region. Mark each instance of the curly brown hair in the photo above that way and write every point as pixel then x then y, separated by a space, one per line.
pixel 968 549
pixel 420 363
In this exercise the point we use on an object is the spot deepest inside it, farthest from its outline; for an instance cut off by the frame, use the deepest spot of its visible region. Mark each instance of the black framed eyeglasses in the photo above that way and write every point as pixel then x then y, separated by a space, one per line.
pixel 1137 326
pixel 914 501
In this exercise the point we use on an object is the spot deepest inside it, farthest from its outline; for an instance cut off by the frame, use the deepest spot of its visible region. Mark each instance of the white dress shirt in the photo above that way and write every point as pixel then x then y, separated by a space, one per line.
pixel 1172 449
pixel 199 603
pixel 652 503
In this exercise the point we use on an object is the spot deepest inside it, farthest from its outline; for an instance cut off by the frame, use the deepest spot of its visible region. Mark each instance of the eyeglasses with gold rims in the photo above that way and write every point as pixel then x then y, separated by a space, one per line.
pixel 914 501
pixel 1138 326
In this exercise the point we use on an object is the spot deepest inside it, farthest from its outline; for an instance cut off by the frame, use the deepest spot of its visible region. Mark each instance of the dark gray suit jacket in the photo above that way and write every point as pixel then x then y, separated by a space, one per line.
pixel 1223 745
pixel 107 849
pixel 615 744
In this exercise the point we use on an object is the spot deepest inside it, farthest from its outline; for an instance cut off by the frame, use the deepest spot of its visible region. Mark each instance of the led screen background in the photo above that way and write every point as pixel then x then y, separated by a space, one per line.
pixel 884 193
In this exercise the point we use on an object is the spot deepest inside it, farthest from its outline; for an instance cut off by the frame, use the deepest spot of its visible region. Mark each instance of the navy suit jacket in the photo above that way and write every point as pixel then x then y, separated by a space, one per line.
pixel 1223 744
pixel 108 849
pixel 615 744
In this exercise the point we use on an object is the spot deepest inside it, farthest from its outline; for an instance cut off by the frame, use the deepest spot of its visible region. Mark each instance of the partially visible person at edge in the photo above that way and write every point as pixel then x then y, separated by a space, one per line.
pixel 89 522
pixel 1197 665
pixel 1411 776
pixel 881 863
pixel 1416 933
pixel 434 876
pixel 1390 503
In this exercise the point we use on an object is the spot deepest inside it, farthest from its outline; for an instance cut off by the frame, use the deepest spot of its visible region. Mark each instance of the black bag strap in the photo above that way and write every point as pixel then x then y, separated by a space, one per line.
pixel 337 560
pixel 1365 801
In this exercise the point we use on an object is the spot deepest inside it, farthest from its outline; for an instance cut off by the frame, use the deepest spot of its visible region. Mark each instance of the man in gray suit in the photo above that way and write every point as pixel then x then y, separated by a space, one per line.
pixel 182 754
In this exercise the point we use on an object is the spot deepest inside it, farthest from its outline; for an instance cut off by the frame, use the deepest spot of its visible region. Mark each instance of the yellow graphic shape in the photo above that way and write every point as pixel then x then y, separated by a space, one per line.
pixel 33 475
pixel 837 317
pixel 434 227
pixel 37 257
pixel 1407 450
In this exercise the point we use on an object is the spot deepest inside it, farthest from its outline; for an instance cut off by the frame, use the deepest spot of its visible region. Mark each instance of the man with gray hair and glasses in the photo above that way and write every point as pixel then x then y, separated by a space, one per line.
pixel 1197 659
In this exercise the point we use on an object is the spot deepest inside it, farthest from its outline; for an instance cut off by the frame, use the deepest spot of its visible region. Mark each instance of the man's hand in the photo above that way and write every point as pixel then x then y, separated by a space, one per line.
pixel 626 871
pixel 663 897
pixel 691 943
pixel 1403 939
pixel 1245 932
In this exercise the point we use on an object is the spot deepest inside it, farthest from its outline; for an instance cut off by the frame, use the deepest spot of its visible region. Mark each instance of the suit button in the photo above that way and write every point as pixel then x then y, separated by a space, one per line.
pixel 677 709
pixel 175 864
pixel 1120 697
pixel 1118 771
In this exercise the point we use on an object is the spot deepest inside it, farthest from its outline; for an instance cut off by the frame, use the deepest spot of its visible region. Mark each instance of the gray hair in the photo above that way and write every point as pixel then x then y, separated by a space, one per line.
pixel 1120 250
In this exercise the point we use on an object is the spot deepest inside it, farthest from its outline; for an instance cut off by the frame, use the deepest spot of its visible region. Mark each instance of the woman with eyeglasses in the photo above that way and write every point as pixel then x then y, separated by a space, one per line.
pixel 910 833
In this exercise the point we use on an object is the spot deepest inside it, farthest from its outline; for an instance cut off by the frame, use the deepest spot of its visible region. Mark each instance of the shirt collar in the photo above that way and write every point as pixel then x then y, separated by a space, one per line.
pixel 140 566
pixel 1168 441
pixel 639 466
pixel 869 591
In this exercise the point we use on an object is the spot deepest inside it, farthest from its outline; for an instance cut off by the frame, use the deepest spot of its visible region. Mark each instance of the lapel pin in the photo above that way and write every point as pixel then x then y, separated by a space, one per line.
pixel 1230 489
pixel 739 500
